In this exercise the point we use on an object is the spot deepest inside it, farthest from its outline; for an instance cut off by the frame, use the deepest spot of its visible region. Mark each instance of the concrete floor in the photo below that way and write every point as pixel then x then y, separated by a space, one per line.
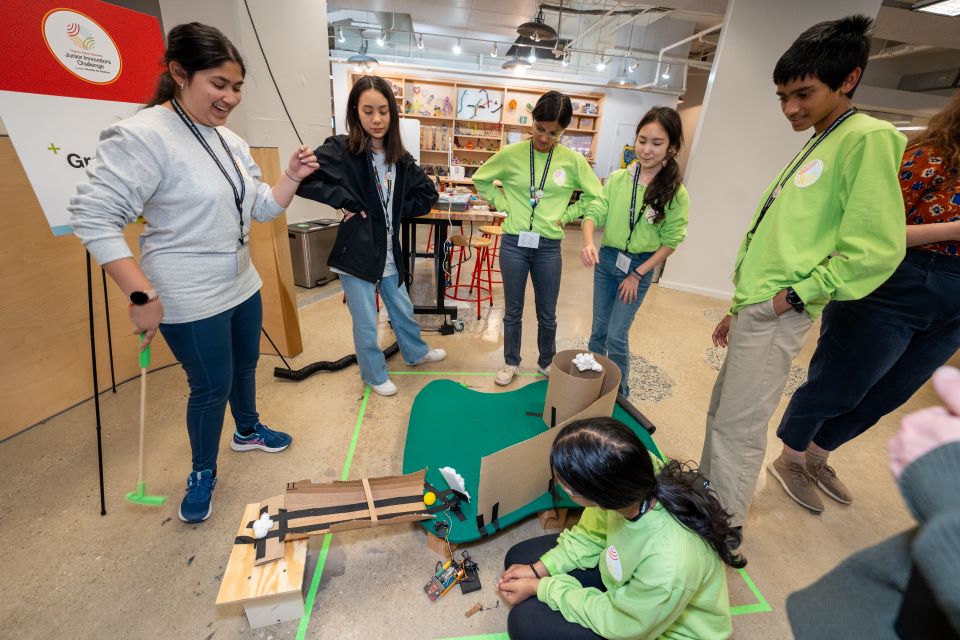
pixel 141 573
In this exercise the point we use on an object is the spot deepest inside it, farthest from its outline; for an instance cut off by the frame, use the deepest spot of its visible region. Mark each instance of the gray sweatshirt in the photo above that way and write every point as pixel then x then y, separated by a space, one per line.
pixel 150 164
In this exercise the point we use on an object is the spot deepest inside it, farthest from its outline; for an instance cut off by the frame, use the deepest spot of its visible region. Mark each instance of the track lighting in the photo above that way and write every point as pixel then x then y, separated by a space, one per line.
pixel 601 63
pixel 419 41
pixel 457 48
pixel 493 51
pixel 340 36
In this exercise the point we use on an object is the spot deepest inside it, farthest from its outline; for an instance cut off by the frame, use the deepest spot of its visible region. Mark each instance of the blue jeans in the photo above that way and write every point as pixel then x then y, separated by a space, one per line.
pixel 874 353
pixel 362 302
pixel 219 355
pixel 612 317
pixel 543 265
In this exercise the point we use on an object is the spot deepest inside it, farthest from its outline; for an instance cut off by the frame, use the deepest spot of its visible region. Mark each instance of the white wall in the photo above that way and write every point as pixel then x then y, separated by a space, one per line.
pixel 293 34
pixel 621 106
pixel 743 138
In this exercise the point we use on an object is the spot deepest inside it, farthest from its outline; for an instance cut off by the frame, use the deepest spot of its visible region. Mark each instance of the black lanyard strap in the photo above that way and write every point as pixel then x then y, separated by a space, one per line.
pixel 238 196
pixel 634 218
pixel 536 194
pixel 783 179
pixel 384 199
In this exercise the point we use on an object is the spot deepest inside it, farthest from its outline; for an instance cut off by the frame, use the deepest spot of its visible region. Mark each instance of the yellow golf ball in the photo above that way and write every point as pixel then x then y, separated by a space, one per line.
pixel 429 498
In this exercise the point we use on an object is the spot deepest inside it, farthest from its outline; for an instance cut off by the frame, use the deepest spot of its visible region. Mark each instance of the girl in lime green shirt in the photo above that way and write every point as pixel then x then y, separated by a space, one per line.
pixel 643 211
pixel 646 559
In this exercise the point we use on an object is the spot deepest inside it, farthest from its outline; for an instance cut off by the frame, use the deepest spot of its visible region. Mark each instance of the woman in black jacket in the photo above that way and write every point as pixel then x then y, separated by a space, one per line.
pixel 368 173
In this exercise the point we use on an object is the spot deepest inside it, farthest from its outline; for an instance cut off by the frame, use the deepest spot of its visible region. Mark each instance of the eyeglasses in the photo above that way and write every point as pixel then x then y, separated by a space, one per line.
pixel 553 134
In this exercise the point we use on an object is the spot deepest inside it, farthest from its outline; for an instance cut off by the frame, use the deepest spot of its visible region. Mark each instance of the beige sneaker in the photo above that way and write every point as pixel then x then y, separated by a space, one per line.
pixel 506 375
pixel 826 478
pixel 798 484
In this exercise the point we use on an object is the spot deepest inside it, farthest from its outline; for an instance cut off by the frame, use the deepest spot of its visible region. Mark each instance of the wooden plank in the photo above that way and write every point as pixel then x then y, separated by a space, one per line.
pixel 244 582
pixel 270 251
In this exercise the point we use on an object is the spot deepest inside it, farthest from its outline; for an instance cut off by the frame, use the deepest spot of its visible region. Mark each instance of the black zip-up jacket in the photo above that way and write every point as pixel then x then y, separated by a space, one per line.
pixel 346 181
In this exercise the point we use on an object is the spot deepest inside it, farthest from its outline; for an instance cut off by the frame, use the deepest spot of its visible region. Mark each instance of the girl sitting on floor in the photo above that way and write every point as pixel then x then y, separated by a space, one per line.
pixel 646 559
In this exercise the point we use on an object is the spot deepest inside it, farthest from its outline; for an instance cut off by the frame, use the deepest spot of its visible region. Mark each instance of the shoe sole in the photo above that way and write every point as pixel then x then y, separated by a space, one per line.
pixel 827 491
pixel 783 484
pixel 251 447
pixel 385 395
pixel 209 512
pixel 503 384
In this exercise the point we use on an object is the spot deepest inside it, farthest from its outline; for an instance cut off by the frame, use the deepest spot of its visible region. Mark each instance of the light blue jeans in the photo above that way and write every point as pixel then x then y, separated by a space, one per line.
pixel 612 317
pixel 362 302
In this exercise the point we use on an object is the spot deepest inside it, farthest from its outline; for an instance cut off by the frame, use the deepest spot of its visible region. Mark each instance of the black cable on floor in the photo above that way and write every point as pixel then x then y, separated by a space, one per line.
pixel 270 71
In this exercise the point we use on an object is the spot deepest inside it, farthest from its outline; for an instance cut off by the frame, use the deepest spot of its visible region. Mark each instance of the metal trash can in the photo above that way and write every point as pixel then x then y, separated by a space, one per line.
pixel 310 245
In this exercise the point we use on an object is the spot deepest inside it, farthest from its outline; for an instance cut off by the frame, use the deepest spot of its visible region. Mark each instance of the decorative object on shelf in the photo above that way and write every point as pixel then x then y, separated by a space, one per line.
pixel 479 104
pixel 590 108
pixel 523 119
pixel 529 108
pixel 512 105
pixel 447 107
pixel 576 107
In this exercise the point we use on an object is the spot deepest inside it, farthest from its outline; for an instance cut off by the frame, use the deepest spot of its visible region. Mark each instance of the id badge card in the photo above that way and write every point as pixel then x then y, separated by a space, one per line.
pixel 623 262
pixel 243 259
pixel 529 239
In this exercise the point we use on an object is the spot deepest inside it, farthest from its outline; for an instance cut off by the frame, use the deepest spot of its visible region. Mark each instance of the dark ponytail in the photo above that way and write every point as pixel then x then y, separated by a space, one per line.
pixel 667 182
pixel 195 47
pixel 553 106
pixel 605 462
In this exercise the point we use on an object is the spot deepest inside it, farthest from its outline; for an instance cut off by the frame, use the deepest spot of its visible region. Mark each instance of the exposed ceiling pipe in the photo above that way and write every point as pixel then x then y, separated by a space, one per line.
pixel 676 44
pixel 901 51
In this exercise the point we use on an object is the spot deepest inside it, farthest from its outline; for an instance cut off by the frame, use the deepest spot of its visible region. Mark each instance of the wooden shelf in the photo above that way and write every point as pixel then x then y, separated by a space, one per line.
pixel 586 115
pixel 433 150
pixel 487 151
pixel 465 135
pixel 412 115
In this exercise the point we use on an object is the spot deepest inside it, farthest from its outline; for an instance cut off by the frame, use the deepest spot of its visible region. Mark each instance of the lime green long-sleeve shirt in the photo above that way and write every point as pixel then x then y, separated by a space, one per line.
pixel 612 212
pixel 837 229
pixel 511 166
pixel 662 580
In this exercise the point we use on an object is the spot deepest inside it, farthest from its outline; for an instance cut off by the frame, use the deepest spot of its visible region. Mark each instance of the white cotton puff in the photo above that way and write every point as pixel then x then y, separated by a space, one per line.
pixel 454 480
pixel 262 525
pixel 586 361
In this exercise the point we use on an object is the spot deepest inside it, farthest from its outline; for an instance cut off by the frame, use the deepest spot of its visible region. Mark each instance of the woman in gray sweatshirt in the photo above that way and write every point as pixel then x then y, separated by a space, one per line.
pixel 198 188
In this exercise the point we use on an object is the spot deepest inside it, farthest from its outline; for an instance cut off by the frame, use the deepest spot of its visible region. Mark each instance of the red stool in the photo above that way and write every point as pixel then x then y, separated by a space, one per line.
pixel 482 245
pixel 493 231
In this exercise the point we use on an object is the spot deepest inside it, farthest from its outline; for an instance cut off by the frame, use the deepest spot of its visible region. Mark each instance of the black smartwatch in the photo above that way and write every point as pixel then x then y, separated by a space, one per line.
pixel 794 300
pixel 141 298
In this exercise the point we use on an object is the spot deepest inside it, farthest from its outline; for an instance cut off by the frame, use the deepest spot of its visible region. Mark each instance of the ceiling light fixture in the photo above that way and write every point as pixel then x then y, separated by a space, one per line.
pixel 361 61
pixel 515 64
pixel 940 7
pixel 666 73
pixel 537 29
pixel 493 51
pixel 457 49
pixel 566 60
pixel 622 81
pixel 340 36
pixel 601 63
pixel 533 56
pixel 381 39
pixel 419 41
pixel 632 66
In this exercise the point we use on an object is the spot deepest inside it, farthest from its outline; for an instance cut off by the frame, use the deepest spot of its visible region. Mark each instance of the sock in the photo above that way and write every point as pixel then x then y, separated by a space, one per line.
pixel 790 456
pixel 816 456
pixel 250 431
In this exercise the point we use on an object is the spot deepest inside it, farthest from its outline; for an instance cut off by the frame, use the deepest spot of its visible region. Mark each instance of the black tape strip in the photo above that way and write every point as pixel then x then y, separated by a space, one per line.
pixel 480 526
pixel 496 516
pixel 553 417
pixel 344 508
pixel 305 529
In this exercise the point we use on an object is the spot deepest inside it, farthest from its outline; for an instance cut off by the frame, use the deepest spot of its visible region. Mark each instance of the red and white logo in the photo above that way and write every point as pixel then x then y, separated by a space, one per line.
pixel 82 46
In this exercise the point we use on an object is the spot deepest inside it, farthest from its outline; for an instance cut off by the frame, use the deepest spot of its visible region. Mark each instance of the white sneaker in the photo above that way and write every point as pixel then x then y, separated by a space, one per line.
pixel 544 371
pixel 506 375
pixel 434 355
pixel 385 389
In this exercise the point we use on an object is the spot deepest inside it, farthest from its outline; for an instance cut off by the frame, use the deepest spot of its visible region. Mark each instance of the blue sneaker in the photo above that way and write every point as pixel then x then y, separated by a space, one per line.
pixel 197 505
pixel 263 438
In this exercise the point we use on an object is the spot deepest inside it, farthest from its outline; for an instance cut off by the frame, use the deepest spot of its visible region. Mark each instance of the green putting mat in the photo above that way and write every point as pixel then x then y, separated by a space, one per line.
pixel 452 426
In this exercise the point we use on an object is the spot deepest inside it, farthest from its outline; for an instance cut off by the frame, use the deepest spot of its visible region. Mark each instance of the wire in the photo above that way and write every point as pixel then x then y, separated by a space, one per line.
pixel 270 71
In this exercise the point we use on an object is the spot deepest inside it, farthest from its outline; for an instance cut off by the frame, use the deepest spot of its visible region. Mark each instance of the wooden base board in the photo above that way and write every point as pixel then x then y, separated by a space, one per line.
pixel 439 546
pixel 553 520
pixel 266 611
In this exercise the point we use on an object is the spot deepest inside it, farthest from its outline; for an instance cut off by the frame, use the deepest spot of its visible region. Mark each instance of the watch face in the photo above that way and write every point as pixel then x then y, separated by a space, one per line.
pixel 139 298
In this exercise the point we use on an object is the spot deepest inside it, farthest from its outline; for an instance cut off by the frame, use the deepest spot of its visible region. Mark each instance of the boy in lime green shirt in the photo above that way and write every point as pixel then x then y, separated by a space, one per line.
pixel 830 226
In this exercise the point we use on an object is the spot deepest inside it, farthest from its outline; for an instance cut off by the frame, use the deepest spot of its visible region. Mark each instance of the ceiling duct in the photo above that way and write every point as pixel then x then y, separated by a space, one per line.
pixel 930 80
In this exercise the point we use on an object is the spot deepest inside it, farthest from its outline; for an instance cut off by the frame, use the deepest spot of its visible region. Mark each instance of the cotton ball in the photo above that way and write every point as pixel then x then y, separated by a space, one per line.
pixel 262 526
pixel 586 361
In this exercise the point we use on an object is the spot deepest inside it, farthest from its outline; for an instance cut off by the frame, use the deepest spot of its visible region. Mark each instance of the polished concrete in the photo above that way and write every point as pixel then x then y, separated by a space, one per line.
pixel 139 572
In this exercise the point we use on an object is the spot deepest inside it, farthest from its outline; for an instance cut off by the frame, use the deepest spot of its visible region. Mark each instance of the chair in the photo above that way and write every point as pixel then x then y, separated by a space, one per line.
pixel 482 246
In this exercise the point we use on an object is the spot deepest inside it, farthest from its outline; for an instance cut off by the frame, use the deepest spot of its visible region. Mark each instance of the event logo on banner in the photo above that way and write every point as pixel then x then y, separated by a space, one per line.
pixel 69 70
pixel 81 46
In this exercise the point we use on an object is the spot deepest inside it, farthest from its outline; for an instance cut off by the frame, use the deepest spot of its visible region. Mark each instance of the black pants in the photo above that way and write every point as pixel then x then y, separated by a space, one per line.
pixel 532 619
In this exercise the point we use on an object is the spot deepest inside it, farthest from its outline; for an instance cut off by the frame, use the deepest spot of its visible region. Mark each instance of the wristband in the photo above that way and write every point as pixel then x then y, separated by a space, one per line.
pixel 534 569
pixel 291 177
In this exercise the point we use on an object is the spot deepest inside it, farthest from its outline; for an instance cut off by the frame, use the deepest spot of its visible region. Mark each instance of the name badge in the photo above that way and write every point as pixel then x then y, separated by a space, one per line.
pixel 623 262
pixel 243 259
pixel 529 239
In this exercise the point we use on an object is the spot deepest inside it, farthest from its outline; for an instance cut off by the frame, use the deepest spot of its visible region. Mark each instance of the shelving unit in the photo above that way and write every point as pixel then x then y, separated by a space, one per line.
pixel 464 123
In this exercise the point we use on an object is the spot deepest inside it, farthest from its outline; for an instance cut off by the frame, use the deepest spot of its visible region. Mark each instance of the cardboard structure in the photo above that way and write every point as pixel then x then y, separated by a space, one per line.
pixel 513 477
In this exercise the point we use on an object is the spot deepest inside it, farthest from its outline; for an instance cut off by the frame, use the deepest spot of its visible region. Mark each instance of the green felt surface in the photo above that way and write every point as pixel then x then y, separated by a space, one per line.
pixel 452 426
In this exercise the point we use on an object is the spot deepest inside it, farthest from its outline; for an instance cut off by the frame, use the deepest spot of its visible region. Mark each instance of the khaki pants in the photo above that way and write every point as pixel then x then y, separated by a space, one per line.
pixel 761 347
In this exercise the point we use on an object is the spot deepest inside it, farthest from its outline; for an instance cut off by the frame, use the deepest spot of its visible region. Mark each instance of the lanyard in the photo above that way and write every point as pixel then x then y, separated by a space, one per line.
pixel 781 182
pixel 537 193
pixel 384 200
pixel 237 195
pixel 634 218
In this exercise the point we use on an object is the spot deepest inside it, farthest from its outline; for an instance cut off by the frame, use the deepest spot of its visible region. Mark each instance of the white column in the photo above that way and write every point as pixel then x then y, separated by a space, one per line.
pixel 743 139
pixel 294 38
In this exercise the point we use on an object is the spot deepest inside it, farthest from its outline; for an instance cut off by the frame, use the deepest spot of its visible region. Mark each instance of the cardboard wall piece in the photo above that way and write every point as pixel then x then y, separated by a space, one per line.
pixel 516 476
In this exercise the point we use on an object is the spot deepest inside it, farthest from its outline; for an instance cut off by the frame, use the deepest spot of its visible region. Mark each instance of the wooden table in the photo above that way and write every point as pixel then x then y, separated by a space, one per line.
pixel 441 220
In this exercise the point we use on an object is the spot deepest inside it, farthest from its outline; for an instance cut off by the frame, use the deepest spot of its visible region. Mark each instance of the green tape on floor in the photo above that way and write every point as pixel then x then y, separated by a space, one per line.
pixel 760 606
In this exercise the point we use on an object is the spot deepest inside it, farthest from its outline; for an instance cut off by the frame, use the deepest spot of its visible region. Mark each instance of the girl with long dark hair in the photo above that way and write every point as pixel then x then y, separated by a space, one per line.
pixel 646 559
pixel 369 175
pixel 198 188
pixel 538 177
pixel 643 211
